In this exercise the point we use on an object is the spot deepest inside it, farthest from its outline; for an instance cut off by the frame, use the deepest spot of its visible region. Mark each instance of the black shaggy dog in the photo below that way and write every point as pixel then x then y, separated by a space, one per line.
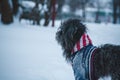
pixel 88 62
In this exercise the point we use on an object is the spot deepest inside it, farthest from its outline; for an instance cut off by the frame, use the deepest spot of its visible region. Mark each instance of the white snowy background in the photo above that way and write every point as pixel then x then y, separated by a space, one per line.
pixel 30 52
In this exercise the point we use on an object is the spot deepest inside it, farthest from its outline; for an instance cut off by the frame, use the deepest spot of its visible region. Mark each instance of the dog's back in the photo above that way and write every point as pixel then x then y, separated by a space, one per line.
pixel 107 61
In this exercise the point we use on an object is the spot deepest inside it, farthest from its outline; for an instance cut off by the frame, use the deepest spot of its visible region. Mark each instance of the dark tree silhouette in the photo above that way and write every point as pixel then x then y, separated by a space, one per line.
pixel 74 4
pixel 97 20
pixel 15 6
pixel 51 12
pixel 78 4
pixel 6 12
pixel 60 5
pixel 116 11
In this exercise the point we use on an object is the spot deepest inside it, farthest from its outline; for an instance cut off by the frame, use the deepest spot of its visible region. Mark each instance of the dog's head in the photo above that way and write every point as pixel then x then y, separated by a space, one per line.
pixel 68 34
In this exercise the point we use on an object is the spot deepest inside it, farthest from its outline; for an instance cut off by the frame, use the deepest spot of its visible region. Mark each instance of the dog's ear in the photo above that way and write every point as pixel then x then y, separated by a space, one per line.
pixel 71 32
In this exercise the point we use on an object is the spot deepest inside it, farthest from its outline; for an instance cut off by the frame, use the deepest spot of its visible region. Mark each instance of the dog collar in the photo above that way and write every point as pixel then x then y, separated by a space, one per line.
pixel 83 41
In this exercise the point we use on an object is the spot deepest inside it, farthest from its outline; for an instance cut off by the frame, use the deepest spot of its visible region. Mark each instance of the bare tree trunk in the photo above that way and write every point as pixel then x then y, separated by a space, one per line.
pixel 15 6
pixel 83 9
pixel 53 12
pixel 119 11
pixel 6 12
pixel 97 20
pixel 60 5
pixel 83 6
pixel 48 12
pixel 46 18
pixel 114 11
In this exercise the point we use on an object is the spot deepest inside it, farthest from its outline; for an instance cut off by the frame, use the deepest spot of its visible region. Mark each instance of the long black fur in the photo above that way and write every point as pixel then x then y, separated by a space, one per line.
pixel 68 34
pixel 107 57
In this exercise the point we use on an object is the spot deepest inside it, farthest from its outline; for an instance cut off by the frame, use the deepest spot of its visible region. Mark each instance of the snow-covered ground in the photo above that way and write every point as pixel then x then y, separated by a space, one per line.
pixel 29 52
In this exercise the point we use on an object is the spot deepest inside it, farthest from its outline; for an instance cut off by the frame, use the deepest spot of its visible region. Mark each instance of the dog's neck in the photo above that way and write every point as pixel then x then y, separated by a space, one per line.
pixel 83 41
